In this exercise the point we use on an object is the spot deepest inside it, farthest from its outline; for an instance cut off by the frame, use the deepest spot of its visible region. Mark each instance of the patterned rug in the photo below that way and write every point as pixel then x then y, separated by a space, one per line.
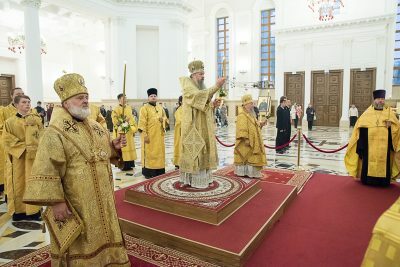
pixel 141 253
pixel 221 192
pixel 279 176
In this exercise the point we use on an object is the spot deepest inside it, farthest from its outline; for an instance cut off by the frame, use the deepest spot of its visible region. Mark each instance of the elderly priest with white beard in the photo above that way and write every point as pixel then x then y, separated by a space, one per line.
pixel 72 175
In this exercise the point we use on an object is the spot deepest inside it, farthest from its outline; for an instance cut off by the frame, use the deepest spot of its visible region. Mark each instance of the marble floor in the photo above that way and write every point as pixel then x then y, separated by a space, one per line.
pixel 20 238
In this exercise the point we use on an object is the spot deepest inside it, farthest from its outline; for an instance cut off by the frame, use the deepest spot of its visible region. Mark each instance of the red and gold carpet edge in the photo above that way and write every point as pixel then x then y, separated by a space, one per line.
pixel 140 252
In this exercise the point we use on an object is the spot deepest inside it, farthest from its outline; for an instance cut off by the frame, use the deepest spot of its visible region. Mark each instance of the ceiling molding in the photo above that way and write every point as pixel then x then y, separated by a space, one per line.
pixel 337 25
pixel 31 3
pixel 155 3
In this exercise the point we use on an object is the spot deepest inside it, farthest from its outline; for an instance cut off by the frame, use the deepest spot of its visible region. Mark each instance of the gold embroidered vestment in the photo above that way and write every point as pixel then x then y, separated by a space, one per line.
pixel 73 162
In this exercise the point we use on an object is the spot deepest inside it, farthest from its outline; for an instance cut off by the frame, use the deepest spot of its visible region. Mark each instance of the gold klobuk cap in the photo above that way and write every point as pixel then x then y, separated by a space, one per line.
pixel 70 85
pixel 196 66
pixel 246 99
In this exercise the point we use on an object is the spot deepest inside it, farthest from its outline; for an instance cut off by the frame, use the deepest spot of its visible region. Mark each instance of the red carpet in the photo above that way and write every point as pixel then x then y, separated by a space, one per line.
pixel 233 234
pixel 278 176
pixel 141 254
pixel 328 224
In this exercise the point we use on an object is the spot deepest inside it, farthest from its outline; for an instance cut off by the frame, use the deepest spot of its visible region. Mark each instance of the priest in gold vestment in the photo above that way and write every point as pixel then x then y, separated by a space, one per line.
pixel 177 133
pixel 199 152
pixel 95 115
pixel 384 247
pixel 5 113
pixel 249 153
pixel 20 139
pixel 372 153
pixel 72 166
pixel 152 126
pixel 129 151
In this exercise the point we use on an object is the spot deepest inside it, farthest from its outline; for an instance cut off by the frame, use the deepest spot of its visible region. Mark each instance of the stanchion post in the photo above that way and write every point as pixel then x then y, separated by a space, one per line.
pixel 298 147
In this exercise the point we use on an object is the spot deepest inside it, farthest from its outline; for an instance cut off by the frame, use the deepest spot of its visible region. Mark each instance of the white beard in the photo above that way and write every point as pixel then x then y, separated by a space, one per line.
pixel 79 113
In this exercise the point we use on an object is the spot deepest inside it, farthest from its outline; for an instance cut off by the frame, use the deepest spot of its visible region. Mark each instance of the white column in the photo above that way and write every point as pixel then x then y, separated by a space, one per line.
pixel 344 120
pixel 123 48
pixel 33 59
pixel 279 71
pixel 307 78
pixel 107 50
pixel 381 70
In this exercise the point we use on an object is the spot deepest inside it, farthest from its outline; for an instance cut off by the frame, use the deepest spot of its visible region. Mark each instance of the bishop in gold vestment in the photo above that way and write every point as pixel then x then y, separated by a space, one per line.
pixel 249 153
pixel 152 125
pixel 199 152
pixel 5 113
pixel 372 153
pixel 177 132
pixel 20 138
pixel 129 151
pixel 73 164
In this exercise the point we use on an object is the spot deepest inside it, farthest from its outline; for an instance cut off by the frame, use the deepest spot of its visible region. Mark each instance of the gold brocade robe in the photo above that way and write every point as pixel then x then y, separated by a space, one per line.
pixel 384 247
pixel 197 113
pixel 20 140
pixel 153 154
pixel 129 151
pixel 177 135
pixel 5 113
pixel 96 115
pixel 249 145
pixel 2 159
pixel 377 144
pixel 73 163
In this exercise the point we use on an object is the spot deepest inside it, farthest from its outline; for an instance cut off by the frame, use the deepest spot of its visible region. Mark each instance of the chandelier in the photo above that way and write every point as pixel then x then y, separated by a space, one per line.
pixel 16 44
pixel 326 9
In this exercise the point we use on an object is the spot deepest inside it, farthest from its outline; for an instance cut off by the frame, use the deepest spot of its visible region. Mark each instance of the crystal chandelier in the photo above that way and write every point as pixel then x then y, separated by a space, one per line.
pixel 326 9
pixel 16 44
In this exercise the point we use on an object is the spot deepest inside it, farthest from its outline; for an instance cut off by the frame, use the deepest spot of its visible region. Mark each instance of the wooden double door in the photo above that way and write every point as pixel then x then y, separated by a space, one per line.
pixel 327 92
pixel 362 84
pixel 294 87
pixel 6 84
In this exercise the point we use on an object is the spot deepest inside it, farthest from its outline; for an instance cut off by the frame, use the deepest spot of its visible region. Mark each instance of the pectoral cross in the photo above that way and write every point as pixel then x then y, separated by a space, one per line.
pixel 36 134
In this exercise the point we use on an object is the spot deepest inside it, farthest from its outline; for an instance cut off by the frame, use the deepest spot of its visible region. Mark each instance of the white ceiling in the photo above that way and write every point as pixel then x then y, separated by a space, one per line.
pixel 55 23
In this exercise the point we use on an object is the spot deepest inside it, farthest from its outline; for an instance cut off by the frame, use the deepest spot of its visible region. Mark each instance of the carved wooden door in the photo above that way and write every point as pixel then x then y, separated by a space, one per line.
pixel 327 91
pixel 361 86
pixel 6 84
pixel 294 87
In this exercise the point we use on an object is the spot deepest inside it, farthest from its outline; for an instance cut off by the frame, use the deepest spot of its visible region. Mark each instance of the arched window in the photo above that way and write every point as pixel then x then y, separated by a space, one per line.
pixel 267 45
pixel 222 46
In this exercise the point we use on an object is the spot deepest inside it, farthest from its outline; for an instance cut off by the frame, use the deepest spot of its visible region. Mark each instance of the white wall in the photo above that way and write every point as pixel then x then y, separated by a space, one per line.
pixel 362 36
pixel 147 61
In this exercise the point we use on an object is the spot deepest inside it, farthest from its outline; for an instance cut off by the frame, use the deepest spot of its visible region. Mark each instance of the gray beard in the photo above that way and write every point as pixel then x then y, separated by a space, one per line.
pixel 79 113
pixel 200 84
pixel 252 112
pixel 379 106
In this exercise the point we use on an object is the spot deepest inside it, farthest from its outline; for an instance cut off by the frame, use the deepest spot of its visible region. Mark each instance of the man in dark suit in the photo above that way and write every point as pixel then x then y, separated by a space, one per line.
pixel 282 125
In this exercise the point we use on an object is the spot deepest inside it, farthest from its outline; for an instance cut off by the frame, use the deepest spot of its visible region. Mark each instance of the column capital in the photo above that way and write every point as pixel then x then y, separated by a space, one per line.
pixel 347 41
pixel 31 3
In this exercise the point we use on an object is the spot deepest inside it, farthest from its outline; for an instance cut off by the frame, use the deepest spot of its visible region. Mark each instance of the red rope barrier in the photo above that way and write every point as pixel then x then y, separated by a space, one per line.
pixel 222 143
pixel 321 150
pixel 282 146
pixel 270 147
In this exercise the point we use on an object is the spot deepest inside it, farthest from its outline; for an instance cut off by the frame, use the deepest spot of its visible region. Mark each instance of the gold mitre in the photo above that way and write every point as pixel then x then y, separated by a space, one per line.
pixel 247 99
pixel 70 85
pixel 196 66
